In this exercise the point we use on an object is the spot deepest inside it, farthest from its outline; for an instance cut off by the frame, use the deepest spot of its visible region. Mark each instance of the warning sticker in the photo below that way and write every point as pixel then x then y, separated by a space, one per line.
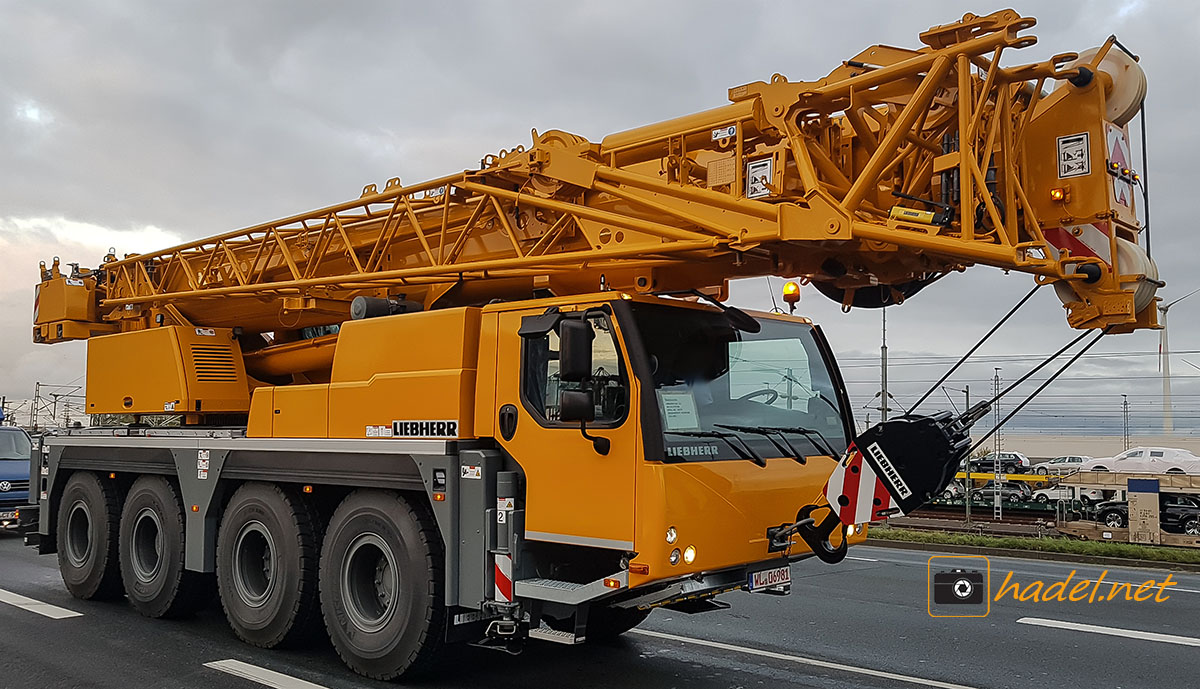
pixel 74 282
pixel 758 176
pixel 1074 156
pixel 206 332
pixel 724 132
pixel 472 471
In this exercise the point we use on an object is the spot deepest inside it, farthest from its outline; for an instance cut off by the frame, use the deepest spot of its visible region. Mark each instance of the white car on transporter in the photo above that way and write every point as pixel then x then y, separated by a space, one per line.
pixel 1147 460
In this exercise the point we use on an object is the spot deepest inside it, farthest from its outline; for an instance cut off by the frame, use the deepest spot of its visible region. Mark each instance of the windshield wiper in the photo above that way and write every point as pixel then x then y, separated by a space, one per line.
pixel 770 435
pixel 812 434
pixel 744 451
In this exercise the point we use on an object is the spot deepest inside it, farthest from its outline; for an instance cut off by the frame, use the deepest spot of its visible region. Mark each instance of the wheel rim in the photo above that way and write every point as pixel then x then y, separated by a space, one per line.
pixel 1113 520
pixel 79 534
pixel 1192 528
pixel 254 564
pixel 147 547
pixel 370 580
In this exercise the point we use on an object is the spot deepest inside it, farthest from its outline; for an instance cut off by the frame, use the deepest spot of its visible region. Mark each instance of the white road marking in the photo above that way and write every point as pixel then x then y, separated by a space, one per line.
pixel 1112 631
pixel 861 559
pixel 921 681
pixel 263 676
pixel 45 609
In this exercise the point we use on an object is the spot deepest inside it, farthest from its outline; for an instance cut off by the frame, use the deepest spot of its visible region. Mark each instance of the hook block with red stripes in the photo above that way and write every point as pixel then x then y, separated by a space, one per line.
pixel 895 467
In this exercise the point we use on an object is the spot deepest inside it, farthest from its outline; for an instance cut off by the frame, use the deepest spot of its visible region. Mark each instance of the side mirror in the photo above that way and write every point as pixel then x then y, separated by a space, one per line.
pixel 575 350
pixel 578 405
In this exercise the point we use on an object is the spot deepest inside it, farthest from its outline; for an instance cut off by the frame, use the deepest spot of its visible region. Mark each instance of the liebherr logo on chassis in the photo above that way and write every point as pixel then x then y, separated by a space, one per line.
pixel 889 471
pixel 405 429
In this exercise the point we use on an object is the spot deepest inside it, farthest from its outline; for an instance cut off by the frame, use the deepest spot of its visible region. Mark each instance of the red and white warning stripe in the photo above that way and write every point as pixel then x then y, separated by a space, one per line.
pixel 504 586
pixel 1091 239
pixel 856 492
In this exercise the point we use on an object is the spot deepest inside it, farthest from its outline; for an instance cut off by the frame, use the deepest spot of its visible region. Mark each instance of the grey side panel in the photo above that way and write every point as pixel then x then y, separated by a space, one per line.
pixel 199 471
pixel 343 462
pixel 476 515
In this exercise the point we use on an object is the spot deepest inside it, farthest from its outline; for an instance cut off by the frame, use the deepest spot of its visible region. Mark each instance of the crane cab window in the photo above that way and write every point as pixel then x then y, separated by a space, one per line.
pixel 541 385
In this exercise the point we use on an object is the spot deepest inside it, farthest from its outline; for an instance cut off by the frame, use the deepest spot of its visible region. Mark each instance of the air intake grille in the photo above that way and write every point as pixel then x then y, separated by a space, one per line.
pixel 214 364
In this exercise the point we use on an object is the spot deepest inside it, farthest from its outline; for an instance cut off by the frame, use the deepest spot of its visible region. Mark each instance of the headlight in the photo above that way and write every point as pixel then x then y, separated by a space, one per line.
pixel 671 535
pixel 689 555
pixel 674 557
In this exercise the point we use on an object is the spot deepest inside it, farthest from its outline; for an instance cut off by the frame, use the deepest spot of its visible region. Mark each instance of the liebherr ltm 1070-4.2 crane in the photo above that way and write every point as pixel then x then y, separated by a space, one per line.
pixel 509 403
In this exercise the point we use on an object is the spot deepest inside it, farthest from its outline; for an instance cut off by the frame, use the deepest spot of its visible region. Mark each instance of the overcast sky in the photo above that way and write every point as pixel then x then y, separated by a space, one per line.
pixel 138 125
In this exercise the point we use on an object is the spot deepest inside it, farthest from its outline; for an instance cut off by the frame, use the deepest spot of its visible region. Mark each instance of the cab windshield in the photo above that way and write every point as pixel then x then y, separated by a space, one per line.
pixel 727 394
pixel 14 445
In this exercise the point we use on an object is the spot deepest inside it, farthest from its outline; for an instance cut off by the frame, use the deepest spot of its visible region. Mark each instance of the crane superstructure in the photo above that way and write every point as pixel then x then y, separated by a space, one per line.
pixel 481 400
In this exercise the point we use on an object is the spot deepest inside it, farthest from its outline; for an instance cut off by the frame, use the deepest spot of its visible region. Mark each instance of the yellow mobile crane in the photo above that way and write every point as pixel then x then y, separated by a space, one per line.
pixel 509 403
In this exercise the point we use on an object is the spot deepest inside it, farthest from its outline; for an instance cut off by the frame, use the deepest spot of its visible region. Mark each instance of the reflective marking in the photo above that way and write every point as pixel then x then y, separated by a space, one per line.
pixel 1112 631
pixel 921 681
pixel 861 559
pixel 263 676
pixel 45 609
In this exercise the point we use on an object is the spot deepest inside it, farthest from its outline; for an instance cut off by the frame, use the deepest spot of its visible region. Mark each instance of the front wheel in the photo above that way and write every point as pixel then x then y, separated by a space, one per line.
pixel 382 584
pixel 1041 470
pixel 1114 520
pixel 1192 527
pixel 1043 498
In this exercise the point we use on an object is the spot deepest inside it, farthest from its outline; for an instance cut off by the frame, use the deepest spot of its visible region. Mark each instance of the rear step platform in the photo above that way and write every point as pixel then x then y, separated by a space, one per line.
pixel 547 634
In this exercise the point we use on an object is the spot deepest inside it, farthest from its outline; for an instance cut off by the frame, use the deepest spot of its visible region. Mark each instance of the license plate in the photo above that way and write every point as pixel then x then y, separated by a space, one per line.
pixel 8 515
pixel 770 578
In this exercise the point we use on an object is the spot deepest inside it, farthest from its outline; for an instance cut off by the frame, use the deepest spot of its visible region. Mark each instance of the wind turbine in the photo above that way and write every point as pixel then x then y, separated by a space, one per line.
pixel 1164 361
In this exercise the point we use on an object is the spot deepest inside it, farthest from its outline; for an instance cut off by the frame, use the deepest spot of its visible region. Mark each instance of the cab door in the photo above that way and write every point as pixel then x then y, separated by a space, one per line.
pixel 574 494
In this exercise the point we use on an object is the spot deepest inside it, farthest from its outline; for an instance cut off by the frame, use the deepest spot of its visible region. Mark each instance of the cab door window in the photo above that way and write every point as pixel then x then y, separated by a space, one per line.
pixel 541 384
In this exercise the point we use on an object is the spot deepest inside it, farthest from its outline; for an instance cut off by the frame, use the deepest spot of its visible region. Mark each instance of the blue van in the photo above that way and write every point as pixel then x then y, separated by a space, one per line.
pixel 15 448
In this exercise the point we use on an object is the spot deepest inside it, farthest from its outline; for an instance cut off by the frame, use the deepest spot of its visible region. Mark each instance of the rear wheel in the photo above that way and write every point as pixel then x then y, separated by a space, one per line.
pixel 267 556
pixel 1041 470
pixel 89 513
pixel 1043 498
pixel 382 584
pixel 1192 527
pixel 152 551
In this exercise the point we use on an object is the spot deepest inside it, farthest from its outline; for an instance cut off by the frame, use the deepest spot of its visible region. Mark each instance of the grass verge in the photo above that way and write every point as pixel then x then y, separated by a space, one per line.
pixel 1044 545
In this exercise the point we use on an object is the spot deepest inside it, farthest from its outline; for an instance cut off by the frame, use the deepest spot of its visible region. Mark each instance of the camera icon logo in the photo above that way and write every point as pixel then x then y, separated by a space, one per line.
pixel 959 586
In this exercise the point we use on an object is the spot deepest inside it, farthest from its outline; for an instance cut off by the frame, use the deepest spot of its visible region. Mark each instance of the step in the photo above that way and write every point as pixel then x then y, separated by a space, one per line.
pixel 545 633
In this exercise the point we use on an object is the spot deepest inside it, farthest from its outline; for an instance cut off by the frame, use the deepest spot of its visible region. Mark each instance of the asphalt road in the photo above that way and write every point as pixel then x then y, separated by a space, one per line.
pixel 862 623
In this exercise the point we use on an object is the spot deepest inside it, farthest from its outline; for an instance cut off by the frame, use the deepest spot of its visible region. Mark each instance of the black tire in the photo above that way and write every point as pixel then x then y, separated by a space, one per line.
pixel 1043 498
pixel 268 551
pixel 1085 500
pixel 1042 470
pixel 152 552
pixel 382 585
pixel 89 514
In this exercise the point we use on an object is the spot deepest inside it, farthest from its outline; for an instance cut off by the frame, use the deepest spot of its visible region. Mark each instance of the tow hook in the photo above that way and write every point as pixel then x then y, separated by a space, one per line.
pixel 815 534
pixel 500 629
